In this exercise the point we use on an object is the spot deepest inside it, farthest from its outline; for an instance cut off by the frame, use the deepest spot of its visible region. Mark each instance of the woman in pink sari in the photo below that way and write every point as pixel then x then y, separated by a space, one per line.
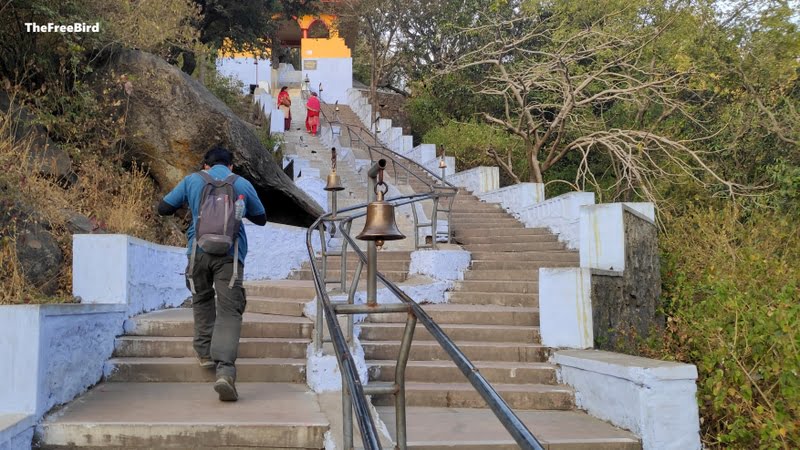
pixel 284 104
pixel 312 116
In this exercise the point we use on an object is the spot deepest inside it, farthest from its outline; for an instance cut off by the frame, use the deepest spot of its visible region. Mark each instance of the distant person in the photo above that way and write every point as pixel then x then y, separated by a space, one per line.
pixel 285 105
pixel 312 115
pixel 218 199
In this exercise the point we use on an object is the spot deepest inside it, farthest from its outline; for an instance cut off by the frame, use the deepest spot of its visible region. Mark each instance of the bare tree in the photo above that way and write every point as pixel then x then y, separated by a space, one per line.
pixel 563 88
pixel 379 23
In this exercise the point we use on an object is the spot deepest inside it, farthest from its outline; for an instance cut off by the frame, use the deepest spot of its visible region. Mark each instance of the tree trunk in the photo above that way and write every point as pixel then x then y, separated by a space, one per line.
pixel 536 169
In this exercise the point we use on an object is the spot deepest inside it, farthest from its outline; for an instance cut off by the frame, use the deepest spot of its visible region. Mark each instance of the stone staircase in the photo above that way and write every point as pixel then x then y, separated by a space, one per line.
pixel 155 395
pixel 493 317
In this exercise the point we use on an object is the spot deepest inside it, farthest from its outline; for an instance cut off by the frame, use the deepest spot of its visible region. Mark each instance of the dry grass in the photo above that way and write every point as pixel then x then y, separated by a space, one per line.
pixel 116 200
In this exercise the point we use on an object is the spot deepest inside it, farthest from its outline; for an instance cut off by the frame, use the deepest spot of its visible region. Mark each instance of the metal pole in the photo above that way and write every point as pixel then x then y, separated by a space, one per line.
pixel 318 325
pixel 372 250
pixel 400 381
pixel 434 221
pixel 347 417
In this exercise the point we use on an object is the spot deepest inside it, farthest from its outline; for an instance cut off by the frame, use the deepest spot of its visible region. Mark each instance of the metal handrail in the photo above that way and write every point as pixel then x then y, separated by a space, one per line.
pixel 390 154
pixel 350 380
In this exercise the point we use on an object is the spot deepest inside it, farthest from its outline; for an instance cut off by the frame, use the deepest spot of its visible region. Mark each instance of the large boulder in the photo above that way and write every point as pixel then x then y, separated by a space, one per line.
pixel 172 121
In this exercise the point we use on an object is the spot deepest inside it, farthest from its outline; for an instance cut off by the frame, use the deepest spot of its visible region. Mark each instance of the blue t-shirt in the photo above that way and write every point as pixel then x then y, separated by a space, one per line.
pixel 190 189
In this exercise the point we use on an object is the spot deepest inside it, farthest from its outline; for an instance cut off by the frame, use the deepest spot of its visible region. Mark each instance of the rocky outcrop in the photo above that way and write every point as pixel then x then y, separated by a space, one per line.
pixel 48 158
pixel 38 253
pixel 172 121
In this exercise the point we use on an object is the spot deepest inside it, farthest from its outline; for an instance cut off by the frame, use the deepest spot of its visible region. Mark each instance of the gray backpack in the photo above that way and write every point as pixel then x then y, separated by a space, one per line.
pixel 216 228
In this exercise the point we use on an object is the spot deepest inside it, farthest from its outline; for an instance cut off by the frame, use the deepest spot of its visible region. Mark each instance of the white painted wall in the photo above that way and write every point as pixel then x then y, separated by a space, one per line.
pixel 516 197
pixel 275 250
pixel 276 124
pixel 477 180
pixel 656 400
pixel 602 233
pixel 123 270
pixel 565 307
pixel 53 352
pixel 559 214
pixel 446 264
pixel 336 76
pixel 245 69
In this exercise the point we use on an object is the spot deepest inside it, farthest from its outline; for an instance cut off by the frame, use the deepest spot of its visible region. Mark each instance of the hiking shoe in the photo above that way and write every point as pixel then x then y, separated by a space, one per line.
pixel 206 363
pixel 226 389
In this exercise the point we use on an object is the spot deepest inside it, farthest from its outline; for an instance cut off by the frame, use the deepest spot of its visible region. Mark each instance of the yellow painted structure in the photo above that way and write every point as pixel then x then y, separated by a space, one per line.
pixel 333 47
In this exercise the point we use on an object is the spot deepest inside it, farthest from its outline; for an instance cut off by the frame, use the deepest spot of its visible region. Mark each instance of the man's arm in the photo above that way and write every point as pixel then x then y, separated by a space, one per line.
pixel 165 209
pixel 254 209
pixel 174 200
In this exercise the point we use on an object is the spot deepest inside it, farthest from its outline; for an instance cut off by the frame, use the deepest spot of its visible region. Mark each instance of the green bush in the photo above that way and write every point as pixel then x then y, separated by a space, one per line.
pixel 732 289
pixel 469 143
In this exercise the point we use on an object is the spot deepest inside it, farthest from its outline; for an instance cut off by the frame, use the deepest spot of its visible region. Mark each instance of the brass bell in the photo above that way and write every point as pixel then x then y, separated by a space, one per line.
pixel 442 163
pixel 334 182
pixel 380 225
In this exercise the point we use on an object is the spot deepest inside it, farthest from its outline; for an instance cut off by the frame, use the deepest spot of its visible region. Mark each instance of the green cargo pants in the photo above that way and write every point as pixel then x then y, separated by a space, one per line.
pixel 217 325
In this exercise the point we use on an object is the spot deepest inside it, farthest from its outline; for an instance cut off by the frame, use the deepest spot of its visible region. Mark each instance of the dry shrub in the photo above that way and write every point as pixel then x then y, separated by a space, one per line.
pixel 115 199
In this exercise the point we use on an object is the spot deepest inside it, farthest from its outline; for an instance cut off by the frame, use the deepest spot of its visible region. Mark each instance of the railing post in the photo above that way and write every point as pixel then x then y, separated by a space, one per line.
pixel 318 335
pixel 400 381
pixel 434 220
pixel 372 250
pixel 347 416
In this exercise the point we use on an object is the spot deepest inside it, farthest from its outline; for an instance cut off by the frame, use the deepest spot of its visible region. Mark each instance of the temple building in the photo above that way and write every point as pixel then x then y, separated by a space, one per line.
pixel 307 54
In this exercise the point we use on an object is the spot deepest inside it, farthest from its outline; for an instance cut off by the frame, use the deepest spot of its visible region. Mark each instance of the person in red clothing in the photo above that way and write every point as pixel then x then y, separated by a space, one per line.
pixel 312 117
pixel 284 104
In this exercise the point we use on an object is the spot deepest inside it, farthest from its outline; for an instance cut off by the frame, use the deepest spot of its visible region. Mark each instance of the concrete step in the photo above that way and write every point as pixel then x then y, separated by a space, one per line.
pixel 477 351
pixel 541 256
pixel 278 306
pixel 187 370
pixel 459 332
pixel 383 264
pixel 499 231
pixel 502 275
pixel 334 274
pixel 470 314
pixel 180 347
pixel 481 222
pixel 514 239
pixel 534 266
pixel 382 256
pixel 463 395
pixel 479 429
pixel 180 322
pixel 300 289
pixel 440 371
pixel 491 286
pixel 489 298
pixel 485 214
pixel 515 247
pixel 188 415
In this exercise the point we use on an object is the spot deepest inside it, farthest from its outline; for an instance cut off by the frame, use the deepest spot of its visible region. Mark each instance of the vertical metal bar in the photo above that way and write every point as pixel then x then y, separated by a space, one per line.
pixel 319 319
pixel 347 417
pixel 400 380
pixel 343 269
pixel 372 250
pixel 434 219
pixel 351 299
pixel 451 199
pixel 416 225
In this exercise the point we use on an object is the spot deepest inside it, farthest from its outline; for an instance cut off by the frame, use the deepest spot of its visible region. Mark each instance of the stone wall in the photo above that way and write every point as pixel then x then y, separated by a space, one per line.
pixel 627 303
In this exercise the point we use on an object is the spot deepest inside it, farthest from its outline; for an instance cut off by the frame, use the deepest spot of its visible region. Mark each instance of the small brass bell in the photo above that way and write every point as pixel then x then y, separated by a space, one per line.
pixel 334 182
pixel 380 225
pixel 442 164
